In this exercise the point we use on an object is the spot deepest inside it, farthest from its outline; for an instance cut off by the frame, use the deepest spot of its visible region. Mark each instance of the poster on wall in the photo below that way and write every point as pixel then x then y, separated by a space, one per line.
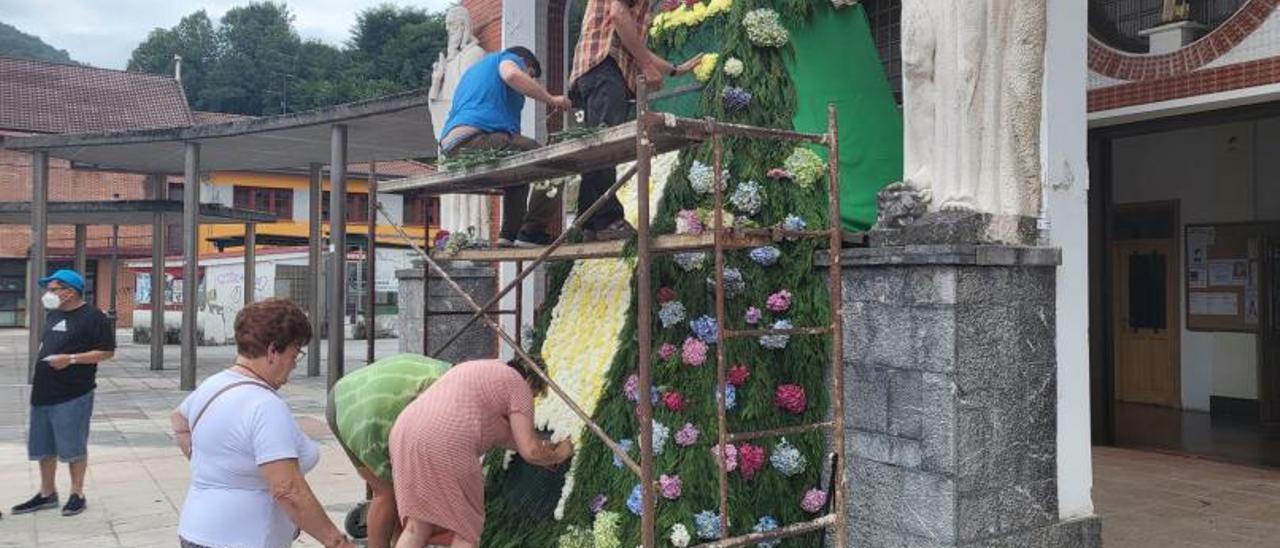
pixel 1228 272
pixel 1197 277
pixel 1199 238
pixel 1213 304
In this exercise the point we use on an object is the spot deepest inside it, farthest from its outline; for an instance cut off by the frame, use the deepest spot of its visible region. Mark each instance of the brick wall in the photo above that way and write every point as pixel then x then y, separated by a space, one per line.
pixel 486 21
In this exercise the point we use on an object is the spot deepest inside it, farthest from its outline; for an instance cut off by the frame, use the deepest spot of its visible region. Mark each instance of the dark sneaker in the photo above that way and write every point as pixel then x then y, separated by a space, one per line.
pixel 527 239
pixel 619 230
pixel 38 502
pixel 503 242
pixel 75 505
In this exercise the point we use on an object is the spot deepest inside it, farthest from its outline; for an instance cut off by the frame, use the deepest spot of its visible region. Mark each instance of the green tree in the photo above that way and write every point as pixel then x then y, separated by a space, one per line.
pixel 257 55
pixel 15 43
pixel 195 40
pixel 397 45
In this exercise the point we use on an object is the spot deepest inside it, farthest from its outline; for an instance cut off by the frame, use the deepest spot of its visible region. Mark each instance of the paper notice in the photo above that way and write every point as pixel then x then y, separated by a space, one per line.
pixel 1197 277
pixel 1199 239
pixel 1214 304
pixel 1229 272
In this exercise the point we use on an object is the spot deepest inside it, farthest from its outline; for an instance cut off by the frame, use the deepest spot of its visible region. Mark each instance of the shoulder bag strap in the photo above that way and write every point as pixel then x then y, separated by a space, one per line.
pixel 219 393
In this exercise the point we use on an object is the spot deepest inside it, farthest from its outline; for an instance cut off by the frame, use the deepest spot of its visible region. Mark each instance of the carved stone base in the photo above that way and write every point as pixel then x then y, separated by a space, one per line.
pixel 959 228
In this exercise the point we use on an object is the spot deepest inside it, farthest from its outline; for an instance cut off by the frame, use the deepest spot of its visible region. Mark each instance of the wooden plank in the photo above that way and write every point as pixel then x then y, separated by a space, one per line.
pixel 666 244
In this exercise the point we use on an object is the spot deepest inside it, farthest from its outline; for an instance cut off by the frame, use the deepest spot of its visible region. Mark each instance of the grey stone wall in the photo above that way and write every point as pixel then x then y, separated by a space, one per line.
pixel 950 376
pixel 479 282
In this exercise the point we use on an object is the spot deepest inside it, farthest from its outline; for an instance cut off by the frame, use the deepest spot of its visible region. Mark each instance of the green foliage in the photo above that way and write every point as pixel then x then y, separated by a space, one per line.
pixel 805 360
pixel 15 43
pixel 253 61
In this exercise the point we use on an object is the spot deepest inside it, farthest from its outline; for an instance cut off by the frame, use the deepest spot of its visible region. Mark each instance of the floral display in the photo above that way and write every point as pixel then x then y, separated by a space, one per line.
pixel 597 503
pixel 706 67
pixel 660 435
pixel 734 284
pixel 690 13
pixel 813 501
pixel 694 352
pixel 786 459
pixel 738 375
pixel 779 302
pixel 765 256
pixel 747 198
pixel 670 486
pixel 702 177
pixel 667 351
pixel 766 524
pixel 674 402
pixel 576 537
pixel 778 173
pixel 635 501
pixel 777 341
pixel 441 240
pixel 679 536
pixel 791 398
pixel 705 328
pixel 688 435
pixel 631 388
pixel 671 313
pixel 794 223
pixel 735 98
pixel 707 524
pixel 707 215
pixel 764 28
pixel 750 460
pixel 690 261
pixel 733 67
pixel 752 315
pixel 666 294
pixel 605 531
pixel 805 167
pixel 626 446
pixel 688 221
pixel 730 456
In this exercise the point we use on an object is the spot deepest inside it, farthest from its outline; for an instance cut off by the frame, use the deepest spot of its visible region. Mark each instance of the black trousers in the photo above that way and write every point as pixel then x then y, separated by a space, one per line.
pixel 521 215
pixel 602 92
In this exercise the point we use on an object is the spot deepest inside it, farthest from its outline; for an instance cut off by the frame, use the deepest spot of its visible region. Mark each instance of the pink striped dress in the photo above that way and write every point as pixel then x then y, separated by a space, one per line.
pixel 437 442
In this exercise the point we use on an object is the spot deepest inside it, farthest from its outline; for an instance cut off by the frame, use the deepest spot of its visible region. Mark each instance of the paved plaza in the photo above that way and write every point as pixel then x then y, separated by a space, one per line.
pixel 137 478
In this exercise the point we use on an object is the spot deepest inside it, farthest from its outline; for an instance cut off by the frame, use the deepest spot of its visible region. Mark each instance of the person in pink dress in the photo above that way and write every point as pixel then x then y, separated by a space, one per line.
pixel 437 442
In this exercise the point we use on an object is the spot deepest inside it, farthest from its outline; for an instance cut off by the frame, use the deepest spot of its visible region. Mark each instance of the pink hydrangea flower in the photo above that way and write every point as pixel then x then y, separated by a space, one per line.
pixel 597 503
pixel 813 501
pixel 780 301
pixel 670 486
pixel 631 388
pixel 730 456
pixel 778 173
pixel 667 351
pixel 752 315
pixel 751 459
pixel 688 435
pixel 694 352
pixel 688 222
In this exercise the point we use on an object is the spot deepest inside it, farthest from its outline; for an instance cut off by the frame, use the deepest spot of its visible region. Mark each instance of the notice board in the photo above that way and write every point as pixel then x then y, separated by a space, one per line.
pixel 1222 276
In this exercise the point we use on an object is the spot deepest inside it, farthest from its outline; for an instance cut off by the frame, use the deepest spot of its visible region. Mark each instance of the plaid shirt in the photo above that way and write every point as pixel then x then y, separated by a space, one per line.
pixel 598 41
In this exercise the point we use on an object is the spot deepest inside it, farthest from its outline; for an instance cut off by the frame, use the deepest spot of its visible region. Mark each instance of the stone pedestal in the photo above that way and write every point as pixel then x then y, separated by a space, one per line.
pixel 480 282
pixel 950 372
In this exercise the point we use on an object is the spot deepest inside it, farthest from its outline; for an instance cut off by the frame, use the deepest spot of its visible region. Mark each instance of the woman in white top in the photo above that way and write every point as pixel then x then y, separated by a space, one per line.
pixel 248 455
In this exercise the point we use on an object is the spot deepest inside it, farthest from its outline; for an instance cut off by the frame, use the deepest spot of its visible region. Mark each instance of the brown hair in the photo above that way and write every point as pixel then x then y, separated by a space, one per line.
pixel 535 382
pixel 270 323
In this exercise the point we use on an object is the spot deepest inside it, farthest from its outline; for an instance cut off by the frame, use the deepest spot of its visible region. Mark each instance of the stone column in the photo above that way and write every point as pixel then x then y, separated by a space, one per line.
pixel 952 388
pixel 449 311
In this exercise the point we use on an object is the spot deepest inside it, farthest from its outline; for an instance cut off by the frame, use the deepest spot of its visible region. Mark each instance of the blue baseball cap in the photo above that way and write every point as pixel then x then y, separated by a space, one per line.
pixel 69 278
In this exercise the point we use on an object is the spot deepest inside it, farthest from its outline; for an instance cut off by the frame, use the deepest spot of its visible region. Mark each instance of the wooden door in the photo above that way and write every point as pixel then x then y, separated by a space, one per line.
pixel 1147 322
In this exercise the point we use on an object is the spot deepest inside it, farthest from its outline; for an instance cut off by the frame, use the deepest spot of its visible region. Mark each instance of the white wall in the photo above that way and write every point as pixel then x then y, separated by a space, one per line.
pixel 1066 180
pixel 1222 173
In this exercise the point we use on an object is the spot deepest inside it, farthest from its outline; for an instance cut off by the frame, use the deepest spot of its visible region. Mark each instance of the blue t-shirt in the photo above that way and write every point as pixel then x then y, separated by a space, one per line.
pixel 483 101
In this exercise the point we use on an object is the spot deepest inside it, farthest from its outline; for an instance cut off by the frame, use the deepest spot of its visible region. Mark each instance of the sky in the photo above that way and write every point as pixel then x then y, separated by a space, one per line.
pixel 103 33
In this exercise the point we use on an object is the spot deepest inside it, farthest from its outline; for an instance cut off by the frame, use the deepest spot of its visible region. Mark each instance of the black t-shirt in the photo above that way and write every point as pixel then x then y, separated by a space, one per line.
pixel 70 332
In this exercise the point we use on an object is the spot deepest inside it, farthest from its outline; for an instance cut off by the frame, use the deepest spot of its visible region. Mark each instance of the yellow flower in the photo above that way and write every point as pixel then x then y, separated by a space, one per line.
pixel 719 6
pixel 700 11
pixel 706 67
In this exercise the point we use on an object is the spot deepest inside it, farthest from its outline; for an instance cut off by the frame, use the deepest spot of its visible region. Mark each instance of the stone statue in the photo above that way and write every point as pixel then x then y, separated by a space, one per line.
pixel 457 211
pixel 972 75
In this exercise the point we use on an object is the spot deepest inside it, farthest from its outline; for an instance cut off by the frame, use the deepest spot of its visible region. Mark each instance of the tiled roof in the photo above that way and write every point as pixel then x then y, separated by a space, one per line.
pixel 201 117
pixel 43 97
pixel 397 168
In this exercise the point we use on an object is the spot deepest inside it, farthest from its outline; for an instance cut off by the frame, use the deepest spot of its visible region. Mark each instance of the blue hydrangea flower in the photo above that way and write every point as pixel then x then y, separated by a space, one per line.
pixel 704 327
pixel 735 98
pixel 794 223
pixel 765 256
pixel 707 524
pixel 787 459
pixel 660 434
pixel 626 446
pixel 671 313
pixel 766 524
pixel 734 284
pixel 635 501
pixel 747 198
pixel 731 396
pixel 777 341
pixel 690 261
pixel 702 178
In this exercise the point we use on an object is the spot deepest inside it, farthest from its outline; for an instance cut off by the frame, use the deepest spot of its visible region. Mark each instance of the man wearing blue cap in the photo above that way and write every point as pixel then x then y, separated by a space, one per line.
pixel 76 338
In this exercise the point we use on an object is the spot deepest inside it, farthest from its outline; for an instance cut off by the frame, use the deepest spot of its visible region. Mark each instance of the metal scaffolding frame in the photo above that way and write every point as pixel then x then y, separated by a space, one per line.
pixel 527 168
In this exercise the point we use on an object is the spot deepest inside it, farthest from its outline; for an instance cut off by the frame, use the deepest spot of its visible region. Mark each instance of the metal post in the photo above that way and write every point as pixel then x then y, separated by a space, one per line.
pixel 426 289
pixel 115 275
pixel 338 249
pixel 835 288
pixel 190 263
pixel 158 229
pixel 82 259
pixel 371 261
pixel 643 315
pixel 39 237
pixel 314 293
pixel 250 262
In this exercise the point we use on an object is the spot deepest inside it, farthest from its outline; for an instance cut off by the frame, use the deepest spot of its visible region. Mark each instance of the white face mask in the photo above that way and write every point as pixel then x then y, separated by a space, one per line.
pixel 50 300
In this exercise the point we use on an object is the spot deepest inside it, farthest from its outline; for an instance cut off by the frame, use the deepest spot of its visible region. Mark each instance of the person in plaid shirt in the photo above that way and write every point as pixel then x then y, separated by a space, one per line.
pixel 611 53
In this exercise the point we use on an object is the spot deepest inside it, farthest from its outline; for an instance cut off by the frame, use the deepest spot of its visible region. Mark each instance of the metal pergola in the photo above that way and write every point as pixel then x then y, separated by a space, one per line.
pixel 652 133
pixel 391 128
